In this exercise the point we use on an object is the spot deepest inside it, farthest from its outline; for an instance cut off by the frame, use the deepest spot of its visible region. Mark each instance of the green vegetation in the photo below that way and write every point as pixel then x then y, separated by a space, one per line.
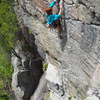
pixel 6 71
pixel 72 98
pixel 45 66
pixel 30 31
pixel 8 31
pixel 8 25
pixel 48 96
pixel 69 98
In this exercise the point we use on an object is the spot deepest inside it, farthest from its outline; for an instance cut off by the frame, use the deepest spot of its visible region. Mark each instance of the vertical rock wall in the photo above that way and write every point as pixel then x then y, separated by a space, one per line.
pixel 81 52
pixel 77 55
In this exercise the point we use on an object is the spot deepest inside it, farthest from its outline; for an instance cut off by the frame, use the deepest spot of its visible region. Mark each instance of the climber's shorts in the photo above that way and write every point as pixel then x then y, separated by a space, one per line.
pixel 54 25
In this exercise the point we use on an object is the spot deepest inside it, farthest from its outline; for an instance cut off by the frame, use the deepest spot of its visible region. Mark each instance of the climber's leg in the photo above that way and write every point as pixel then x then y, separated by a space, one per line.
pixel 58 22
pixel 58 27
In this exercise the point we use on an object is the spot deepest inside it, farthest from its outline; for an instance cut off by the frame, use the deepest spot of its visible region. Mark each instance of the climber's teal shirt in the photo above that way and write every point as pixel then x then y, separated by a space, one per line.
pixel 51 18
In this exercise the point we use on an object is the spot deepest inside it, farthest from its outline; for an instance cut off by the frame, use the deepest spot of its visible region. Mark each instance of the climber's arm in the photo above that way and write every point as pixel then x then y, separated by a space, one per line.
pixel 60 12
pixel 55 0
pixel 53 3
pixel 61 8
pixel 57 16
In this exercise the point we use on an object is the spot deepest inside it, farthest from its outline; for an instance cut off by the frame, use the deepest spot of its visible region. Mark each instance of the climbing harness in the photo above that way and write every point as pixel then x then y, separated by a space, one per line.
pixel 48 26
pixel 54 25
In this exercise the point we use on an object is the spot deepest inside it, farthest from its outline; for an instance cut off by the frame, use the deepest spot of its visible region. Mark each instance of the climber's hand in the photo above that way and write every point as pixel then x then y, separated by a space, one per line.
pixel 55 0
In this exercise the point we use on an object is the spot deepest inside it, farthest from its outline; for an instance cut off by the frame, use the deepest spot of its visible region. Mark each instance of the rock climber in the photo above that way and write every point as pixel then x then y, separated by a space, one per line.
pixel 53 20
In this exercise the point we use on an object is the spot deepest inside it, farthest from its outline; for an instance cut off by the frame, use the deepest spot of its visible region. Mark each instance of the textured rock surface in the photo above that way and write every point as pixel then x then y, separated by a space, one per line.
pixel 77 55
pixel 27 72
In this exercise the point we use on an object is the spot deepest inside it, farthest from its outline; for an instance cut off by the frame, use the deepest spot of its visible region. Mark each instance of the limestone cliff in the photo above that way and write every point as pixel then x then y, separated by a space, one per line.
pixel 73 61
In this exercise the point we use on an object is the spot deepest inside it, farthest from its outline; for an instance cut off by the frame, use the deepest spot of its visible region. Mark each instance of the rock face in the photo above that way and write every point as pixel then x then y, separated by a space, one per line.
pixel 76 56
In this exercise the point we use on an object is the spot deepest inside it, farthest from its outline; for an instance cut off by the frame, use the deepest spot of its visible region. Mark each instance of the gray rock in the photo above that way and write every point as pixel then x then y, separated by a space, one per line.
pixel 89 36
pixel 69 1
pixel 27 72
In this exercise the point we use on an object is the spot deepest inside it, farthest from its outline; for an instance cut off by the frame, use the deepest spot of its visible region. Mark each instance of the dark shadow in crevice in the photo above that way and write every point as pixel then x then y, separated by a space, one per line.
pixel 64 36
pixel 63 31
